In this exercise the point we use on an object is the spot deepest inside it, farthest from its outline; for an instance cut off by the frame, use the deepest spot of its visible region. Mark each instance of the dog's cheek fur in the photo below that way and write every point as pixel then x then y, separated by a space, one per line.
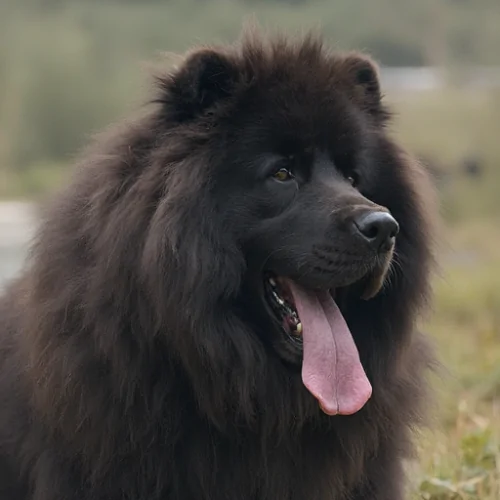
pixel 124 368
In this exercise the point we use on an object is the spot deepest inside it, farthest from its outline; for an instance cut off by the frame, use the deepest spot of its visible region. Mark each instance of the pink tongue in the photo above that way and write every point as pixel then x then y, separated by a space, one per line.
pixel 331 369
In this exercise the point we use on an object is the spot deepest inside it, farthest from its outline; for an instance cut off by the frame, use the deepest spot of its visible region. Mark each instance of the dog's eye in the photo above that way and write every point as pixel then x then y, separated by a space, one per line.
pixel 283 175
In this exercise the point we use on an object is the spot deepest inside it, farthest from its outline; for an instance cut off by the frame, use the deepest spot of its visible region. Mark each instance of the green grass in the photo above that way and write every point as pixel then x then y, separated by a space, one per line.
pixel 460 456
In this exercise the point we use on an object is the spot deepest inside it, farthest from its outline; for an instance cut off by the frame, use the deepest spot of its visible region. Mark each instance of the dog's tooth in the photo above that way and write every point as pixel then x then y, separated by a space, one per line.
pixel 272 282
pixel 298 328
pixel 279 300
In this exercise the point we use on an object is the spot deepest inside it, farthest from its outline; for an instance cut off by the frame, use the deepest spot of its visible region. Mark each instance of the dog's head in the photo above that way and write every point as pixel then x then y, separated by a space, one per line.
pixel 292 198
pixel 217 243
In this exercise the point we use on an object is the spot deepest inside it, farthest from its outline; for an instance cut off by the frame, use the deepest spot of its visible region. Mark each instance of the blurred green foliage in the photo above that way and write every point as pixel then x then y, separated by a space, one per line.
pixel 68 67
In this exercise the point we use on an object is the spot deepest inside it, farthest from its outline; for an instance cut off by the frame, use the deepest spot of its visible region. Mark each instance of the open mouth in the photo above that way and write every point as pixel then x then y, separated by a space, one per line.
pixel 282 304
pixel 313 323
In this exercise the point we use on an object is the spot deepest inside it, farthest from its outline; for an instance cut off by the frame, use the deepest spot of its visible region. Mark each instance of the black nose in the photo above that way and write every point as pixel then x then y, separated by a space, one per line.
pixel 379 229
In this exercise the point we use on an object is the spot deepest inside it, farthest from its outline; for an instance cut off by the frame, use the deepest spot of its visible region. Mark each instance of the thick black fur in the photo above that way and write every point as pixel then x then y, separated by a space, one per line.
pixel 138 360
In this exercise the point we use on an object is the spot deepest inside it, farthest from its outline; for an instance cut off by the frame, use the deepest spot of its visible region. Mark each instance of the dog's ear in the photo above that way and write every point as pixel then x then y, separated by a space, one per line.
pixel 204 79
pixel 361 74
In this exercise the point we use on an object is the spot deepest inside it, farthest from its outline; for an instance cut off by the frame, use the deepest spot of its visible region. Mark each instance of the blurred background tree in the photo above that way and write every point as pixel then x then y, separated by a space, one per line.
pixel 68 67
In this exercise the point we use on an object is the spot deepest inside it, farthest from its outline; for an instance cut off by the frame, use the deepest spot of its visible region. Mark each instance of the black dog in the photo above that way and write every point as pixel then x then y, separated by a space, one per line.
pixel 221 305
